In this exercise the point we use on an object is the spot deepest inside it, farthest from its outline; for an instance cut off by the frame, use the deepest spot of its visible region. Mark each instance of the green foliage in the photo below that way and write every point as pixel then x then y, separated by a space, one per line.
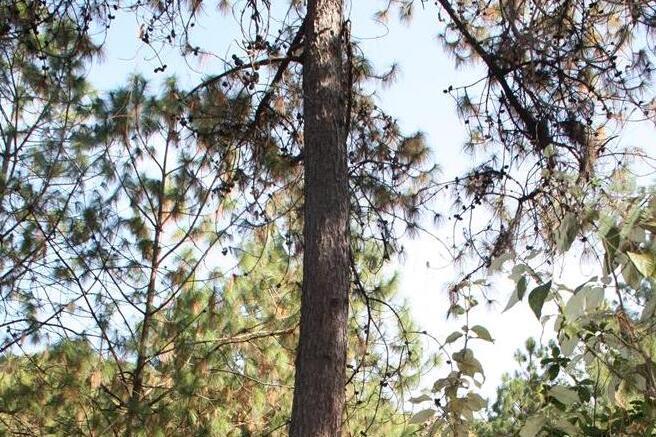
pixel 518 397
pixel 173 266
pixel 537 297
pixel 597 378
pixel 450 407
pixel 221 364
pixel 150 241
pixel 44 101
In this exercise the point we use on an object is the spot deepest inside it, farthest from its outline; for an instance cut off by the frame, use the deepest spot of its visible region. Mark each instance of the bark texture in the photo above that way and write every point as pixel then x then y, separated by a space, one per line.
pixel 321 356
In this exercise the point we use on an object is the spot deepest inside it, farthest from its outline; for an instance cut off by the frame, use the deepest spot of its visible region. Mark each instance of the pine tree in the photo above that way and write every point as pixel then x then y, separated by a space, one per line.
pixel 321 360
pixel 174 181
pixel 43 164
pixel 224 364
pixel 559 81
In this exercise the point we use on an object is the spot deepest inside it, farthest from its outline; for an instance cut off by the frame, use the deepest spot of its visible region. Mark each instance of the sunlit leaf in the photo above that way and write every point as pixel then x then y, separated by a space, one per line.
pixel 533 426
pixel 445 382
pixel 564 395
pixel 644 262
pixel 475 401
pixel 420 399
pixel 566 426
pixel 568 344
pixel 467 363
pixel 482 333
pixel 422 416
pixel 517 294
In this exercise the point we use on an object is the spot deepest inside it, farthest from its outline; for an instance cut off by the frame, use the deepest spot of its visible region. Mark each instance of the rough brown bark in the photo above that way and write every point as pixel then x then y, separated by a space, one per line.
pixel 321 355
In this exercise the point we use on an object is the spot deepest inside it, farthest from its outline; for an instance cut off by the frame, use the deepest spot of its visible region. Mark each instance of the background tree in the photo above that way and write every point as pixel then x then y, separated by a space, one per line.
pixel 563 79
pixel 518 396
pixel 560 82
pixel 45 103
pixel 175 180
pixel 225 368
pixel 179 177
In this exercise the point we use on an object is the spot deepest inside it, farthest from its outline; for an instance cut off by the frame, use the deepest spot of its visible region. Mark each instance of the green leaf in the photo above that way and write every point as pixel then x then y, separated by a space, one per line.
pixel 420 399
pixel 521 287
pixel 566 232
pixel 467 364
pixel 631 275
pixel 564 395
pixel 475 401
pixel 575 306
pixel 517 271
pixel 639 381
pixel 459 407
pixel 512 301
pixel 567 427
pixel 568 344
pixel 457 310
pixel 450 380
pixel 553 371
pixel 611 241
pixel 537 297
pixel 584 393
pixel 594 298
pixel 422 416
pixel 517 294
pixel 453 337
pixel 611 390
pixel 482 333
pixel 644 262
pixel 650 308
pixel 533 426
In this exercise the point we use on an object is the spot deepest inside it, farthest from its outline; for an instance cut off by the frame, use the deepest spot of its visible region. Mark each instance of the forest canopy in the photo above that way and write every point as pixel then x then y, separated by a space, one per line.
pixel 215 245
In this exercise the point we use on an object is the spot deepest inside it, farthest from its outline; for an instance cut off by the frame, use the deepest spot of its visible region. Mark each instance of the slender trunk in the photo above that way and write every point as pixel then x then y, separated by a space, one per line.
pixel 146 326
pixel 321 355
pixel 142 349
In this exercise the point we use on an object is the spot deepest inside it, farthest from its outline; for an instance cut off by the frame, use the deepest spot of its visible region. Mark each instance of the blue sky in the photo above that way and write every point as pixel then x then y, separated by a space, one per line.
pixel 417 100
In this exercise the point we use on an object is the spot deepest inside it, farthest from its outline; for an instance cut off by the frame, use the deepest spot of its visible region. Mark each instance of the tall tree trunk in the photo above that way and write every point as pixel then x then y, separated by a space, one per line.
pixel 321 356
